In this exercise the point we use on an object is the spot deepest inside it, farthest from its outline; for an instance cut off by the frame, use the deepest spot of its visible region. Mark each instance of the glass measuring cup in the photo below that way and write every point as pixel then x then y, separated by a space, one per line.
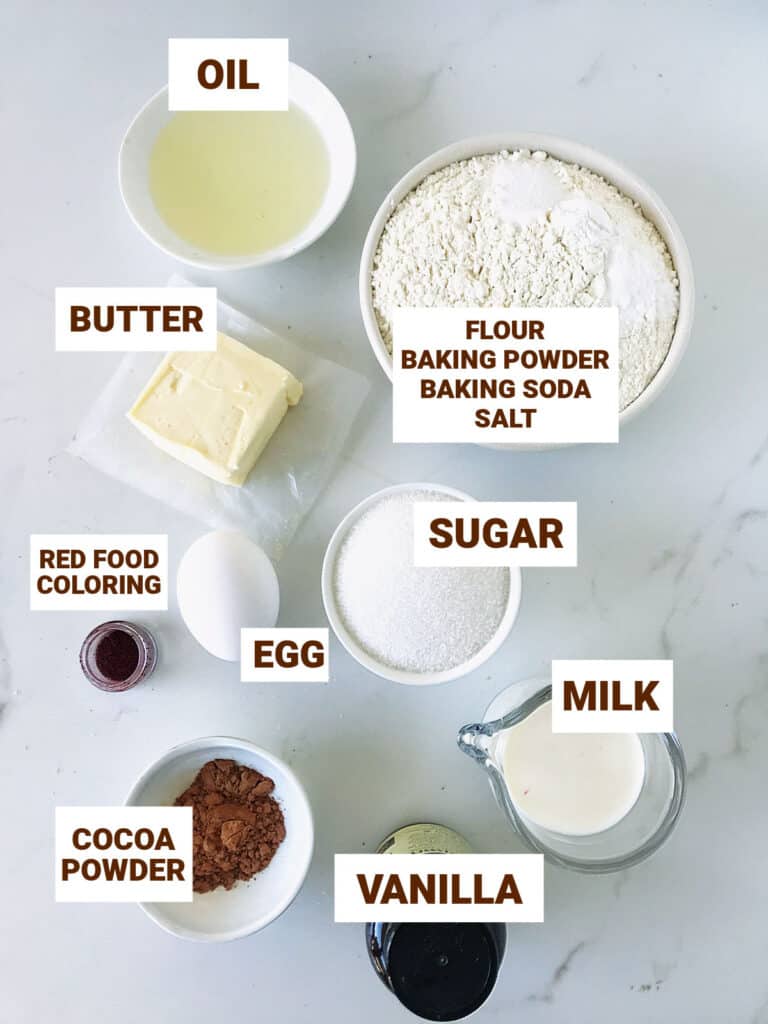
pixel 636 836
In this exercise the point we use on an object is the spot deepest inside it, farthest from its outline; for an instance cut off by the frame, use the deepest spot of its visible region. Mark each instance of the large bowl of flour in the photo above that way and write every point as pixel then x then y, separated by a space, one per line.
pixel 534 220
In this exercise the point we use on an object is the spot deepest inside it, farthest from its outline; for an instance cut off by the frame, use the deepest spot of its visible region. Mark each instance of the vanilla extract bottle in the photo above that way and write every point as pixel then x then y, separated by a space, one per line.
pixel 438 971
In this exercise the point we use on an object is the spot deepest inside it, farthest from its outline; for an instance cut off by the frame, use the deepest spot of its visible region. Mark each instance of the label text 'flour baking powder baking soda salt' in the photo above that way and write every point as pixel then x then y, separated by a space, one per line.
pixel 499 375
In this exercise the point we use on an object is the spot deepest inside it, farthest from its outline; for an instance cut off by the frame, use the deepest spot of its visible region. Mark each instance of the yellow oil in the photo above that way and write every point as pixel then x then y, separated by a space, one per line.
pixel 238 183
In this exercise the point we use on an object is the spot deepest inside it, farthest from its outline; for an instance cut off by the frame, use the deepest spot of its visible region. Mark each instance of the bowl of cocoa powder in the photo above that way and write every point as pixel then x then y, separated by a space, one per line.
pixel 252 837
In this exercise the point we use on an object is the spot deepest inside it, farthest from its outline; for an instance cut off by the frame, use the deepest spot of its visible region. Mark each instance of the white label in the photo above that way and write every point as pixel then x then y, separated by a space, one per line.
pixel 284 655
pixel 227 74
pixel 485 533
pixel 428 888
pixel 457 377
pixel 123 854
pixel 612 696
pixel 98 572
pixel 135 319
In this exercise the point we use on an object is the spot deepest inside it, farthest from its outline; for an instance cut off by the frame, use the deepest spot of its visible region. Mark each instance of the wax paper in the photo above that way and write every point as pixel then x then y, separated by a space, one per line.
pixel 293 469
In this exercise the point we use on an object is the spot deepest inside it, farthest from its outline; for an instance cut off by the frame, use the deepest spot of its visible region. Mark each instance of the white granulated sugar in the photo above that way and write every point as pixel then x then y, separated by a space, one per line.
pixel 416 619
pixel 525 229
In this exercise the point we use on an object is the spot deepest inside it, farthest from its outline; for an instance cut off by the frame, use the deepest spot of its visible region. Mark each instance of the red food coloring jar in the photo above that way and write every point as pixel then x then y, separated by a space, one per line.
pixel 117 655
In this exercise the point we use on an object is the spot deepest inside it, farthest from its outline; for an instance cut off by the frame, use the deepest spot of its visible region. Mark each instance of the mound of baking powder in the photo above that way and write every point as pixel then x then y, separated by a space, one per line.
pixel 525 229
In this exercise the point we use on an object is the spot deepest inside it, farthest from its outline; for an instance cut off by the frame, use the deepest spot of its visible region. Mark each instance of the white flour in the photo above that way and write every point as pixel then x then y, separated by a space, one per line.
pixel 522 229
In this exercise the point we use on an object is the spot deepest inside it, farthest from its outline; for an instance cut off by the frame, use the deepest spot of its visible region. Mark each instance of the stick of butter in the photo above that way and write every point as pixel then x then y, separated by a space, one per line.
pixel 215 411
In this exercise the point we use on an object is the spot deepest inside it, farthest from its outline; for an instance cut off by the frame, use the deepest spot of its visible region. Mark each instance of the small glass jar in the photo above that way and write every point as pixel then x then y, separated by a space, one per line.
pixel 107 655
pixel 440 972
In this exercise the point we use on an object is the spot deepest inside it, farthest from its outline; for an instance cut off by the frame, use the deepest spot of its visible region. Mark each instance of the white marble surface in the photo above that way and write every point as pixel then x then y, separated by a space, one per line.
pixel 674 559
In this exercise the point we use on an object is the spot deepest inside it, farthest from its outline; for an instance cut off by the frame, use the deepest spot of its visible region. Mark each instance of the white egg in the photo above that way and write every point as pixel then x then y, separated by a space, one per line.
pixel 225 582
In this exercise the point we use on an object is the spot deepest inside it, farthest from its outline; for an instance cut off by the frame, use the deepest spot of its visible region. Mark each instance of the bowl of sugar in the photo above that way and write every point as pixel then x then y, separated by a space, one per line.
pixel 226 190
pixel 525 219
pixel 412 624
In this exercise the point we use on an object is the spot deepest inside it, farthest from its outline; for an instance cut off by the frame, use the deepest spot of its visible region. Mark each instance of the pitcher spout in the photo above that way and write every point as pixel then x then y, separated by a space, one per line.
pixel 474 741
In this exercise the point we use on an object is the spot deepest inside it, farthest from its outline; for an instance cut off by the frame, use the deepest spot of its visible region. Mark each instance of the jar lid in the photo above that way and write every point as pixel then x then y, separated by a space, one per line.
pixel 442 972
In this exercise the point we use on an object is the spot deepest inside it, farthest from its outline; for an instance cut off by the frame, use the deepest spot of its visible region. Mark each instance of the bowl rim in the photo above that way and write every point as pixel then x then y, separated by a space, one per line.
pixel 348 641
pixel 569 151
pixel 236 743
pixel 210 261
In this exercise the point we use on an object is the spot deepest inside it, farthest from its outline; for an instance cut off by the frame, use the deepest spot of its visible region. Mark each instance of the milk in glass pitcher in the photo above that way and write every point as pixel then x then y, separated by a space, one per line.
pixel 590 802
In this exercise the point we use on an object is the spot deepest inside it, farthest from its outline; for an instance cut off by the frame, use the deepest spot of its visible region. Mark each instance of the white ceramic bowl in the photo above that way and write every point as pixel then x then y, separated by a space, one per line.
pixel 350 642
pixel 248 907
pixel 571 152
pixel 306 92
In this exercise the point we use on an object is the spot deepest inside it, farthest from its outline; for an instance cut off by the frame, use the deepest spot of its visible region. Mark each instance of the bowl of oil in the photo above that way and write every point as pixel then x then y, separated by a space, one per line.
pixel 225 190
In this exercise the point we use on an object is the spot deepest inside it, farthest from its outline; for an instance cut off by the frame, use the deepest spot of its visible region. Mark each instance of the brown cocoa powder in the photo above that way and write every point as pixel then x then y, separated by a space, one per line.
pixel 237 825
